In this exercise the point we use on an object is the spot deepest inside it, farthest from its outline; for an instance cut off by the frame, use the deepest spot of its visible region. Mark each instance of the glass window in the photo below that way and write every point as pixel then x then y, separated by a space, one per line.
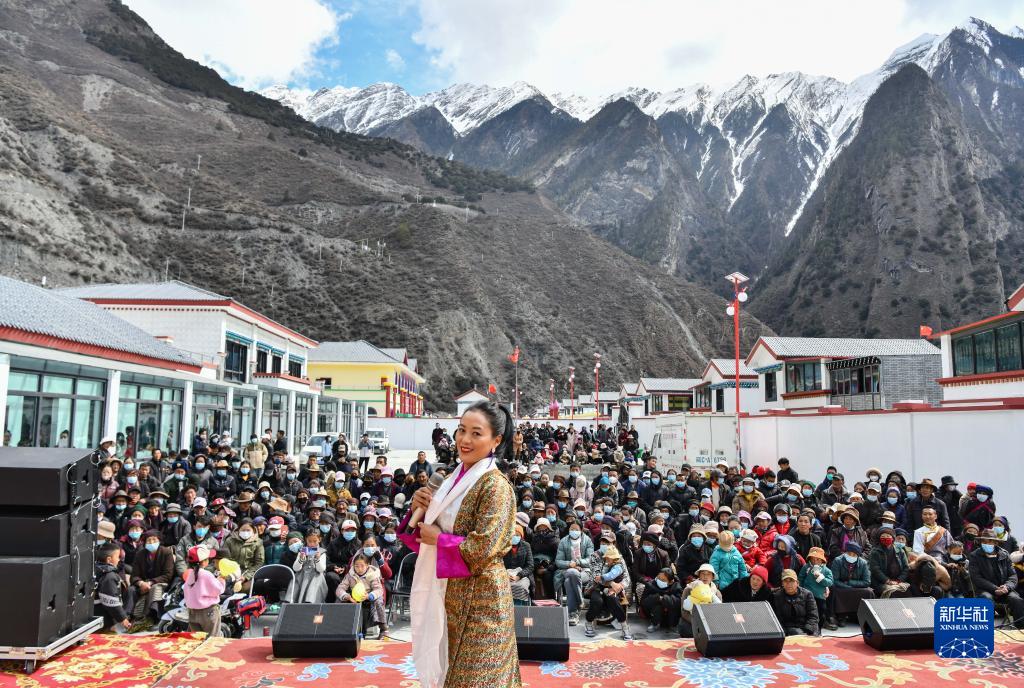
pixel 294 368
pixel 261 361
pixel 771 391
pixel 21 421
pixel 88 423
pixel 126 429
pixel 985 352
pixel 275 365
pixel 236 362
pixel 149 393
pixel 54 422
pixel 677 402
pixel 1008 347
pixel 23 382
pixel 802 377
pixel 963 356
pixel 129 391
pixel 58 385
pixel 90 388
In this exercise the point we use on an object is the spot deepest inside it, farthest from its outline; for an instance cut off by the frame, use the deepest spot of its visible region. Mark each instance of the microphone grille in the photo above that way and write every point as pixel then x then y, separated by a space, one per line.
pixel 435 482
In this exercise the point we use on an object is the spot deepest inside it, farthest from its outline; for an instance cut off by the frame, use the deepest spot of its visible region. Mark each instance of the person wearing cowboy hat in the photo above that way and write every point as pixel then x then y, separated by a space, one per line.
pixel 849 529
pixel 222 484
pixel 994 576
pixel 174 525
pixel 925 498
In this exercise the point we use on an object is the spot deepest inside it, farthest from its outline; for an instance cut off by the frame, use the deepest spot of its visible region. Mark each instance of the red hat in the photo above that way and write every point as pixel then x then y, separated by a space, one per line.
pixel 709 506
pixel 761 572
pixel 759 471
pixel 971 486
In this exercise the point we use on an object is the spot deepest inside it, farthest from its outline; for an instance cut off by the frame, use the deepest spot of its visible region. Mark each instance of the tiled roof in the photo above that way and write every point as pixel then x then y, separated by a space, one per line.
pixel 53 313
pixel 727 366
pixel 413 365
pixel 668 384
pixel 397 354
pixel 359 351
pixel 630 388
pixel 829 347
pixel 172 290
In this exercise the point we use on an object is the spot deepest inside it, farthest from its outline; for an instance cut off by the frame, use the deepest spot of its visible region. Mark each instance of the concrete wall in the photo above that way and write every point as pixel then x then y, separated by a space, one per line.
pixel 984 446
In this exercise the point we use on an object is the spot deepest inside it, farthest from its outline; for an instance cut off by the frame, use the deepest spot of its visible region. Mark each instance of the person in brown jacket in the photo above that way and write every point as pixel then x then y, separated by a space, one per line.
pixel 152 572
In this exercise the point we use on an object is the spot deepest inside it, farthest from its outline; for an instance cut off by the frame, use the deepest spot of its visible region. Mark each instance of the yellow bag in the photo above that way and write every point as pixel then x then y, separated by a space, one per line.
pixel 228 568
pixel 358 592
pixel 701 594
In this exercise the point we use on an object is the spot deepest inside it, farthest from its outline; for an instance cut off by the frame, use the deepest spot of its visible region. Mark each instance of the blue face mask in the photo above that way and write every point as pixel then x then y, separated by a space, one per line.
pixel 632 478
pixel 574 534
pixel 245 471
pixel 900 545
pixel 325 527
pixel 562 505
pixel 807 493
pixel 892 500
pixel 369 524
pixel 390 537
pixel 697 541
pixel 290 475
pixel 852 558
pixel 736 532
pixel 655 481
pixel 120 507
pixel 352 508
pixel 386 480
pixel 200 466
pixel 982 497
pixel 528 503
pixel 135 535
pixel 748 488
pixel 369 551
pixel 338 484
pixel 660 583
pixel 769 485
pixel 791 497
pixel 649 549
pixel 221 472
pixel 201 532
pixel 631 503
pixel 172 519
pixel 888 526
pixel 911 495
pixel 598 515
pixel 349 535
pixel 132 479
pixel 295 546
pixel 581 514
pixel 680 484
pixel 781 518
pixel 152 546
pixel 999 530
pixel 516 540
pixel 603 548
pixel 872 498
pixel 956 557
pixel 694 513
pixel 988 547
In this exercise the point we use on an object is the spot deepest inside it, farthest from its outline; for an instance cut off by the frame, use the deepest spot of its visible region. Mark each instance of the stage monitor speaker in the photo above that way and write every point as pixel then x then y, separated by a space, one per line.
pixel 34 596
pixel 45 477
pixel 46 532
pixel 902 623
pixel 737 629
pixel 542 633
pixel 317 630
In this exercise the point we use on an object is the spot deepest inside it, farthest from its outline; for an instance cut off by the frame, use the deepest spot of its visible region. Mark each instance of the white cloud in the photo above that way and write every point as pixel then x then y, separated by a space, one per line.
pixel 394 60
pixel 595 47
pixel 253 43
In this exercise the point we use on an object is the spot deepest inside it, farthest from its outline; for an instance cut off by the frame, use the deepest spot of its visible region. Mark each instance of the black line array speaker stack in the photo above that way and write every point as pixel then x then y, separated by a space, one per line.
pixel 47 538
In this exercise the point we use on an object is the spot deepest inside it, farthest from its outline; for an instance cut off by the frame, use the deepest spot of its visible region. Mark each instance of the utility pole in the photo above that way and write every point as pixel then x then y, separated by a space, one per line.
pixel 572 390
pixel 738 296
pixel 597 388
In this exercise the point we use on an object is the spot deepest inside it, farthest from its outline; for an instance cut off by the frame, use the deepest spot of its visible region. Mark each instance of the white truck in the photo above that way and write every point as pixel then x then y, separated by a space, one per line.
pixel 698 439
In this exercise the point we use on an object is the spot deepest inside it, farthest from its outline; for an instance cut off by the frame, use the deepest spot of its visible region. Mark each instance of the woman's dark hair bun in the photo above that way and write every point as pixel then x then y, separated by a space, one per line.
pixel 502 424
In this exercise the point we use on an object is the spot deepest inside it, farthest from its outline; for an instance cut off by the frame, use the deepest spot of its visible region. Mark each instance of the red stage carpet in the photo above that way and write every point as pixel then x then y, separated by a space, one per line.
pixel 810 662
pixel 106 661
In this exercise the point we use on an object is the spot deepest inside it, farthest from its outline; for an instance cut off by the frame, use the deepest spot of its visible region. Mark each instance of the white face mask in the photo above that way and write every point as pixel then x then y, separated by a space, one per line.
pixel 245 534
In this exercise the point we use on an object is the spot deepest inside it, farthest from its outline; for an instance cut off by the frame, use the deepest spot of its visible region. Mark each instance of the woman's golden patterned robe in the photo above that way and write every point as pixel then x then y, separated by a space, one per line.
pixel 481 622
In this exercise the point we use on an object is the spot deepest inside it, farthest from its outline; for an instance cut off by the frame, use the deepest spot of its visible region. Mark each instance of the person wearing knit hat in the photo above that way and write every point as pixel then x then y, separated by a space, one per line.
pixel 152 570
pixel 752 588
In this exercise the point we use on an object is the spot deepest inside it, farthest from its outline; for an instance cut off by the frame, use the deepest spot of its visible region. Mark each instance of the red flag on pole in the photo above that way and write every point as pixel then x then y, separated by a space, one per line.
pixel 491 389
pixel 925 331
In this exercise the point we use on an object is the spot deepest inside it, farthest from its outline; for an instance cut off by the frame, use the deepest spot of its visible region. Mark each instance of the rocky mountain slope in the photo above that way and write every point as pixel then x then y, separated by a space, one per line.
pixel 105 132
pixel 703 178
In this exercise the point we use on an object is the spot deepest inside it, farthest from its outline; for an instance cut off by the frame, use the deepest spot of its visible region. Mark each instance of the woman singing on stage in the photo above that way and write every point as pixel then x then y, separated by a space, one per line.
pixel 463 630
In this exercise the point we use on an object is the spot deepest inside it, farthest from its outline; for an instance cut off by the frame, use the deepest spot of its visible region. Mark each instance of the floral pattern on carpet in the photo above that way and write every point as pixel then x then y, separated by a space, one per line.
pixel 804 662
pixel 106 661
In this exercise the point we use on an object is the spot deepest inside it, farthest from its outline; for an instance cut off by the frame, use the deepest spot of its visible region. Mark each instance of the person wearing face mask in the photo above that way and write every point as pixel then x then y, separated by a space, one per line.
pixel 519 564
pixel 889 566
pixel 608 588
pixel 198 535
pixel 310 584
pixel 275 541
pixel 870 510
pixel 255 453
pixel 118 512
pixel 979 509
pixel 747 496
pixel 958 566
pixel 572 563
pixel 378 557
pixel 152 571
pixel 925 498
pixel 340 552
pixel 849 530
pixel 223 483
pixel 544 545
pixel 648 561
pixel 337 489
pixel 994 576
pixel 661 601
pixel 174 526
pixel 363 585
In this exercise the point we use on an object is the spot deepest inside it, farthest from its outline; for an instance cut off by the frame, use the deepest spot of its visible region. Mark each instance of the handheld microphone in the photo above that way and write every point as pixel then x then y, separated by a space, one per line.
pixel 434 484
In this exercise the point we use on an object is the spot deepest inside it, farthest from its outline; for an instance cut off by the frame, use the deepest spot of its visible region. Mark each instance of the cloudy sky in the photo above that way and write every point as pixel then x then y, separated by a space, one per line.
pixel 589 47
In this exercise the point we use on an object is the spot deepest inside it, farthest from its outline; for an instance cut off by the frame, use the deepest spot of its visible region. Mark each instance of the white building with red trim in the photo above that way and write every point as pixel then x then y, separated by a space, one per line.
pixel 716 391
pixel 983 361
pixel 808 373
pixel 467 399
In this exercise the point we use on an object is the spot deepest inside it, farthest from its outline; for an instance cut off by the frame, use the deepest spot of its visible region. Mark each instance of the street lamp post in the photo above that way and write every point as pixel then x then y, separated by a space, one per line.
pixel 738 296
pixel 597 388
pixel 551 403
pixel 572 401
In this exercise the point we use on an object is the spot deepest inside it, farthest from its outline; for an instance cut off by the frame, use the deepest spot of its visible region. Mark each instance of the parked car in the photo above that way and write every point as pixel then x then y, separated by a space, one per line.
pixel 313 444
pixel 379 443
